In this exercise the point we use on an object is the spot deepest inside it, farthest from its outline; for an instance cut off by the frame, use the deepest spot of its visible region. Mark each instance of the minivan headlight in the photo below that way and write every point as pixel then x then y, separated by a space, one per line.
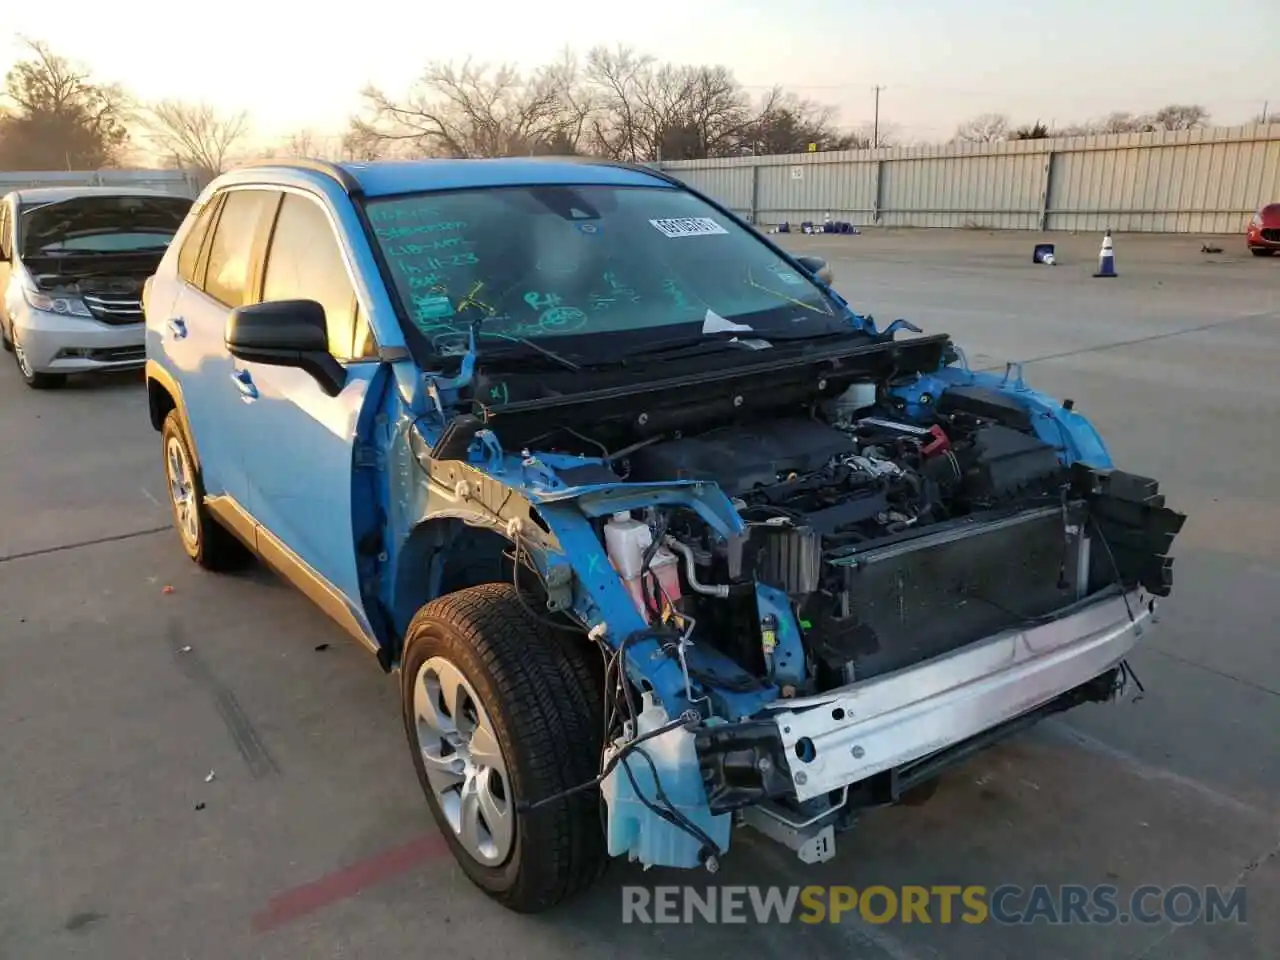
pixel 67 306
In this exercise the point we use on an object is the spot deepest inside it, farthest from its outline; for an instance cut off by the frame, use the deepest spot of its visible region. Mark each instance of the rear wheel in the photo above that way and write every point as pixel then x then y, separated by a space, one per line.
pixel 206 541
pixel 1261 251
pixel 497 717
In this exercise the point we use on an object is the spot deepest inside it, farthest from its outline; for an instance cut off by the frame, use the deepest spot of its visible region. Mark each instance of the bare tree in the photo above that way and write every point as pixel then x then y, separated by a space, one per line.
pixel 984 128
pixel 1172 117
pixel 579 102
pixel 473 111
pixel 617 76
pixel 302 144
pixel 617 103
pixel 194 136
pixel 784 123
pixel 1124 122
pixel 648 111
pixel 58 117
pixel 1181 116
pixel 1030 131
pixel 363 142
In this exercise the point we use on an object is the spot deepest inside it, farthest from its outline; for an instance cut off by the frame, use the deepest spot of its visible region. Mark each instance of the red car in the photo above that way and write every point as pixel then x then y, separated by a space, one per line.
pixel 1264 231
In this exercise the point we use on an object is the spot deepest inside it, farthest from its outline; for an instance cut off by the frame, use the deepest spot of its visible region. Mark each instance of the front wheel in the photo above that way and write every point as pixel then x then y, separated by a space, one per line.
pixel 30 376
pixel 1261 251
pixel 495 719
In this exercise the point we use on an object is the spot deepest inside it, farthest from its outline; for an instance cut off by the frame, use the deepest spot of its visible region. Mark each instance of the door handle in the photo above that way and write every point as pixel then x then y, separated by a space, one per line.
pixel 178 327
pixel 244 382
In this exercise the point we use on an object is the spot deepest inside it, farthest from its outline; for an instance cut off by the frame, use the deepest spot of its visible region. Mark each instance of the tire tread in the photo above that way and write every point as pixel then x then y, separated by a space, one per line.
pixel 556 734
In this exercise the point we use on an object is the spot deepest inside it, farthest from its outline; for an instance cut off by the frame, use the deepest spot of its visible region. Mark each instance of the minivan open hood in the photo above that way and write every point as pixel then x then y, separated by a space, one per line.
pixel 64 220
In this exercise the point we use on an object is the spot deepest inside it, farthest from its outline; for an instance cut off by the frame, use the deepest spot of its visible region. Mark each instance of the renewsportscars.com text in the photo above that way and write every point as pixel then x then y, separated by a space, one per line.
pixel 939 904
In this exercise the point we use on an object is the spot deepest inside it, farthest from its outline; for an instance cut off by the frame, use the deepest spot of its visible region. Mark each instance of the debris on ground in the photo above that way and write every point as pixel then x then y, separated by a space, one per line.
pixel 167 589
pixel 200 805
pixel 321 646
pixel 211 777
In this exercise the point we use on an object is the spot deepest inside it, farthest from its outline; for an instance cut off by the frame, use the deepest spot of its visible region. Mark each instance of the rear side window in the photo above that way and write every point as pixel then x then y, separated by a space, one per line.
pixel 189 256
pixel 230 265
pixel 305 263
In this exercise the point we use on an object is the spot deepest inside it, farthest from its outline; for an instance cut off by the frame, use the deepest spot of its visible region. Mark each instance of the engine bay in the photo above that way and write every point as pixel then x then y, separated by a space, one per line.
pixel 794 532
pixel 891 538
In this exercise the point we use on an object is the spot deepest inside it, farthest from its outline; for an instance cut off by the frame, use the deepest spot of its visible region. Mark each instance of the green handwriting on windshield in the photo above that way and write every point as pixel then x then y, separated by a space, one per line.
pixel 419 230
pixel 617 292
pixel 823 307
pixel 404 213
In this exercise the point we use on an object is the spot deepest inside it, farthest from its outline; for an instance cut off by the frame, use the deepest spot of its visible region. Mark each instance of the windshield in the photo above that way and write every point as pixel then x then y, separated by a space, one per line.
pixel 100 225
pixel 108 243
pixel 622 265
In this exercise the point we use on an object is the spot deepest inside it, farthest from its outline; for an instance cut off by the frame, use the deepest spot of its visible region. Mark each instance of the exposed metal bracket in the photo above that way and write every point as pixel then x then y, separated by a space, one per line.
pixel 814 841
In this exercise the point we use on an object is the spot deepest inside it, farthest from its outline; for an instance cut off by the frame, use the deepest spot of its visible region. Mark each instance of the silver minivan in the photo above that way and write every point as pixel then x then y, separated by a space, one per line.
pixel 73 263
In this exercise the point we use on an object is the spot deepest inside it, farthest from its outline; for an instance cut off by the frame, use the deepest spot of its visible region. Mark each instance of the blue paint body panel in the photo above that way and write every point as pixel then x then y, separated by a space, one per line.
pixel 1070 433
pixel 347 485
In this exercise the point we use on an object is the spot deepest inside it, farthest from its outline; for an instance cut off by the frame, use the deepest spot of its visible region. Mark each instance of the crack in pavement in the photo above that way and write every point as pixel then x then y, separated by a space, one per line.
pixel 114 538
pixel 1240 879
pixel 1097 348
pixel 1218 673
pixel 1062 730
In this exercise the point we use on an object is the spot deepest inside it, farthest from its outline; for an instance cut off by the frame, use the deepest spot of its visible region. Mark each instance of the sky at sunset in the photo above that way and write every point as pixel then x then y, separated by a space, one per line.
pixel 940 62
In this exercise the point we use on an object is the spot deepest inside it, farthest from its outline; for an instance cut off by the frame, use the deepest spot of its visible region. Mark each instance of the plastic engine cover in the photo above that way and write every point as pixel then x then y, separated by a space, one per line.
pixel 636 830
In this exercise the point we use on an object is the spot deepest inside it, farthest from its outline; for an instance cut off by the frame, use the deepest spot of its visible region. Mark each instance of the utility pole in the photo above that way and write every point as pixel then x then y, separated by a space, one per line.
pixel 1265 104
pixel 875 126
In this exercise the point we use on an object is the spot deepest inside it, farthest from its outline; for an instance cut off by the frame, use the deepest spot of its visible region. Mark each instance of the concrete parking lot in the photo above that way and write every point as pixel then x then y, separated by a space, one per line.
pixel 128 677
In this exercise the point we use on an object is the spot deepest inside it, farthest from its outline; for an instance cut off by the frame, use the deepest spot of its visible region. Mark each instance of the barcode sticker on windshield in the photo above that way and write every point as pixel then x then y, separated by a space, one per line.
pixel 688 227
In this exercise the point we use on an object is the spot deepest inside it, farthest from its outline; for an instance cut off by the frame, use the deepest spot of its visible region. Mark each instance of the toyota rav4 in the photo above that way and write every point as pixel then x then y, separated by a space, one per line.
pixel 659 535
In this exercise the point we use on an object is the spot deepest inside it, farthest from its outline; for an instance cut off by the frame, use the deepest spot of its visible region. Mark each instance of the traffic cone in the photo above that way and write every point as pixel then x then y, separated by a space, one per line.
pixel 1107 258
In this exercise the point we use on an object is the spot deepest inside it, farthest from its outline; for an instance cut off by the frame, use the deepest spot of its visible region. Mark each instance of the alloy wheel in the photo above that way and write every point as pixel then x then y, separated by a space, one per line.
pixel 463 761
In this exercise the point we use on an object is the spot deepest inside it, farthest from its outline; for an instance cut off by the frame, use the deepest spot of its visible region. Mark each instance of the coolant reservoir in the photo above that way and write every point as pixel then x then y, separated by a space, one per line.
pixel 626 541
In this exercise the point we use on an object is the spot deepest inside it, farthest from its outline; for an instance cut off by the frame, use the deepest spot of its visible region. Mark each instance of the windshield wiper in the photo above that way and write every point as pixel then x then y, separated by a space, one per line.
pixel 693 346
pixel 808 337
pixel 676 347
pixel 558 358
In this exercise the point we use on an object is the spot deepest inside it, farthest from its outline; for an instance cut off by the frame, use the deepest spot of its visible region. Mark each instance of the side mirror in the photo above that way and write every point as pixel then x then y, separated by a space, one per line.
pixel 286 333
pixel 818 267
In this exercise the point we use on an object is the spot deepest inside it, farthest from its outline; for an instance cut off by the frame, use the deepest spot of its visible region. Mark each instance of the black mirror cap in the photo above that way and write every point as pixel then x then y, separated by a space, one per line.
pixel 818 268
pixel 280 325
pixel 286 333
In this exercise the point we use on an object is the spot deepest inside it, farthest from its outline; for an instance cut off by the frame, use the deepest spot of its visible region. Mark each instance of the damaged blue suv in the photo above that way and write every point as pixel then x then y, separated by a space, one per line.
pixel 659 536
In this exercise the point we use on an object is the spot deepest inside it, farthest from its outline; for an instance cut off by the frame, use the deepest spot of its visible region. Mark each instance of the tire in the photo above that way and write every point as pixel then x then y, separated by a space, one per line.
pixel 5 342
pixel 205 540
pixel 527 713
pixel 1260 252
pixel 33 379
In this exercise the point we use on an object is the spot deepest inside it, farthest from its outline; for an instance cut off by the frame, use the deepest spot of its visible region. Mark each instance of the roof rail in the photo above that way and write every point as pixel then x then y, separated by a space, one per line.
pixel 610 162
pixel 326 167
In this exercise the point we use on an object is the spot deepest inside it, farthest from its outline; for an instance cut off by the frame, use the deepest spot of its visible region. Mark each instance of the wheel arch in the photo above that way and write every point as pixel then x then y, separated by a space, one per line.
pixel 164 395
pixel 444 555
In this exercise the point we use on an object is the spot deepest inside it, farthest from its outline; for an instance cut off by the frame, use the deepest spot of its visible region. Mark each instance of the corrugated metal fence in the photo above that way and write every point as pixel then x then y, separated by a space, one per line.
pixel 172 181
pixel 1183 181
